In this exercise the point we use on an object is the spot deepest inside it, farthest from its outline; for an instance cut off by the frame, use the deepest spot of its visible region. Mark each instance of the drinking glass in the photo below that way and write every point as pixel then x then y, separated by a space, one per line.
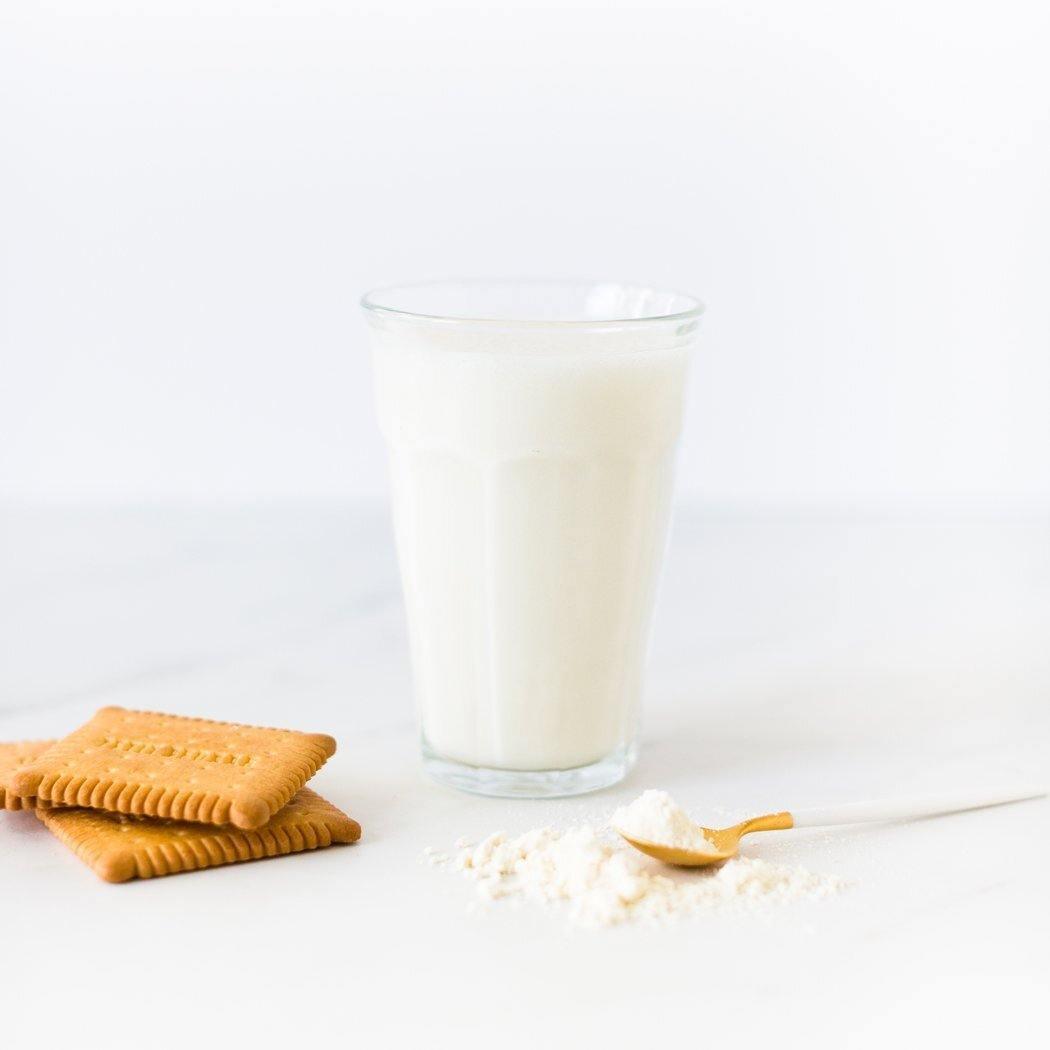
pixel 532 430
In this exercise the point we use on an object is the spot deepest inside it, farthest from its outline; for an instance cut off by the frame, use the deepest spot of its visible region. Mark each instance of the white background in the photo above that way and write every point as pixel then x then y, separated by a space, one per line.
pixel 193 196
pixel 191 201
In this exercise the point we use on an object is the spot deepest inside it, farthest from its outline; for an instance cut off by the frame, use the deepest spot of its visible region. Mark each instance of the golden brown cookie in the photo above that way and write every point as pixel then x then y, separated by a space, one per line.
pixel 157 765
pixel 12 758
pixel 118 847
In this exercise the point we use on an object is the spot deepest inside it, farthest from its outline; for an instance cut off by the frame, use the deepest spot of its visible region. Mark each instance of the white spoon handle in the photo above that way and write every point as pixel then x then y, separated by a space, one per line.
pixel 909 808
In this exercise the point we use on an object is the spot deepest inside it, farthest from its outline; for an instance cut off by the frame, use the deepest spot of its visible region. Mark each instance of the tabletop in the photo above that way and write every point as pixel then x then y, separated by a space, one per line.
pixel 799 658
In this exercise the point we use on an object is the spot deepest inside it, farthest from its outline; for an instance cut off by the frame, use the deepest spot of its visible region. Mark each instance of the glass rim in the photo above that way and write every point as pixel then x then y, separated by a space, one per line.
pixel 370 302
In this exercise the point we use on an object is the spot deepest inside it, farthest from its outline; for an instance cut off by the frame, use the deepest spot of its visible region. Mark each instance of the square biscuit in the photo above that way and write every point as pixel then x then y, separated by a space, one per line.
pixel 118 847
pixel 156 765
pixel 14 757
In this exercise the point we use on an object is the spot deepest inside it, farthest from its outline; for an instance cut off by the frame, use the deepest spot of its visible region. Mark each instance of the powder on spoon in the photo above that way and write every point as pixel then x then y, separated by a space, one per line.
pixel 655 817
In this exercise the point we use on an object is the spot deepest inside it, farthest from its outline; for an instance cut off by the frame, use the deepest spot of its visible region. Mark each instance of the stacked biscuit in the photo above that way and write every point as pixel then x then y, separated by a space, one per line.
pixel 136 794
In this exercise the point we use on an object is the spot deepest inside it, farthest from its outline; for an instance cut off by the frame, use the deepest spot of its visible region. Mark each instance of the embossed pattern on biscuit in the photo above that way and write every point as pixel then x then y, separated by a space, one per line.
pixel 118 847
pixel 145 763
pixel 14 757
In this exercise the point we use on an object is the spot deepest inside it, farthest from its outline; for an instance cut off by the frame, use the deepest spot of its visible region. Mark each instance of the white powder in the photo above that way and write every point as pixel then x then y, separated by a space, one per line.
pixel 654 817
pixel 603 882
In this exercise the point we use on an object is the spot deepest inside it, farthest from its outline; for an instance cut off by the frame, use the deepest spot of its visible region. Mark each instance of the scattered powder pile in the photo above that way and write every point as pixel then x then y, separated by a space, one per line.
pixel 654 817
pixel 604 882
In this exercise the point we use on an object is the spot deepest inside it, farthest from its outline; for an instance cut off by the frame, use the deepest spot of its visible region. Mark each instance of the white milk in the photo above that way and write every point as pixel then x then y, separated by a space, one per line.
pixel 531 475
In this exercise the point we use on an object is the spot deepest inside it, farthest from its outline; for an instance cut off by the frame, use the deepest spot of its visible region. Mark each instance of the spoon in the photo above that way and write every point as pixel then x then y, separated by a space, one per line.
pixel 725 842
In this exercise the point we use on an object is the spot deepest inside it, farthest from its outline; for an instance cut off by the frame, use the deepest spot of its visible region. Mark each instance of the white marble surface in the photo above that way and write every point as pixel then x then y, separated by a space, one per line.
pixel 798 659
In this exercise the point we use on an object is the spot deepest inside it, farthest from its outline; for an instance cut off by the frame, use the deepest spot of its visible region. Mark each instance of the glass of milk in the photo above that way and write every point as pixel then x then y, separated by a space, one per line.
pixel 532 431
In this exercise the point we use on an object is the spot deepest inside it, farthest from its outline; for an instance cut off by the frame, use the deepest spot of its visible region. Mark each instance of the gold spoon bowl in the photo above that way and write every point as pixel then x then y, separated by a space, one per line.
pixel 725 842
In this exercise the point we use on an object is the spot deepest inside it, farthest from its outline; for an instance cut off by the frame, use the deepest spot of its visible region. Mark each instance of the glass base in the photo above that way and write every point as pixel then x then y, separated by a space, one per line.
pixel 544 783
